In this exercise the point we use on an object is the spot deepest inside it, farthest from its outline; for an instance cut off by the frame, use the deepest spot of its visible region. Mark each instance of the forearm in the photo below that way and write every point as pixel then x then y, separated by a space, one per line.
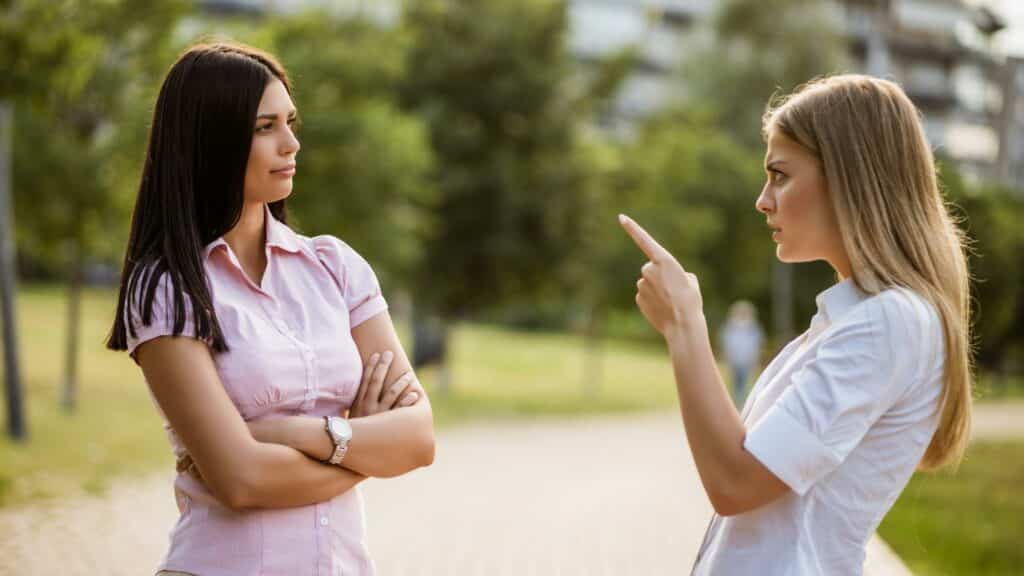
pixel 386 444
pixel 279 476
pixel 714 429
pixel 392 443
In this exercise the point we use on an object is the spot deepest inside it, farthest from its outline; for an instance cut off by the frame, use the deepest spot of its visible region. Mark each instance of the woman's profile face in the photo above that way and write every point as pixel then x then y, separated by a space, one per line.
pixel 271 166
pixel 796 203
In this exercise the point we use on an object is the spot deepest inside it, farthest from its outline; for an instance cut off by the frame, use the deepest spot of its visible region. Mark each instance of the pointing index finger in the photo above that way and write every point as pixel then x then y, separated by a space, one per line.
pixel 647 244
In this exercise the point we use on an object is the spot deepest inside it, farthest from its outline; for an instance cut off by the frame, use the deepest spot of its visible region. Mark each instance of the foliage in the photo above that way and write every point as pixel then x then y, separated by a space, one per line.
pixel 365 164
pixel 488 78
pixel 81 74
pixel 991 216
pixel 762 48
pixel 963 523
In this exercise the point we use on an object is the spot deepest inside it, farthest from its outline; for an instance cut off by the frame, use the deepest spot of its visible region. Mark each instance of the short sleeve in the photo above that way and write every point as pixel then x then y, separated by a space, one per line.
pixel 356 280
pixel 161 321
pixel 836 397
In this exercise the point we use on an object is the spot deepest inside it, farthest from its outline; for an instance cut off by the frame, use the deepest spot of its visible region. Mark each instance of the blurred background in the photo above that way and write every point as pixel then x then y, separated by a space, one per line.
pixel 476 153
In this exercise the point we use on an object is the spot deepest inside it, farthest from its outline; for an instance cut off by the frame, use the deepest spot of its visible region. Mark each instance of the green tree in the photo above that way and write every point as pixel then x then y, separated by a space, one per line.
pixel 693 186
pixel 489 79
pixel 763 48
pixel 365 162
pixel 990 215
pixel 81 73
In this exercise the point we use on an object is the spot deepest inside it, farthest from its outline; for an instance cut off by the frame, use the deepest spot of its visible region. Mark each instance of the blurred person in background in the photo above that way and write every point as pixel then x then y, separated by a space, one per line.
pixel 880 383
pixel 270 355
pixel 741 338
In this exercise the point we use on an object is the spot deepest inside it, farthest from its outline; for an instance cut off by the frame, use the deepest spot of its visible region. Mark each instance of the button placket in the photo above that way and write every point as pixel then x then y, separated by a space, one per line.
pixel 273 313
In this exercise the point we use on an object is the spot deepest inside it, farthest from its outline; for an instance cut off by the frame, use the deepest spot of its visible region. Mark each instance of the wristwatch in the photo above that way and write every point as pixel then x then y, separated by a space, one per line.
pixel 340 432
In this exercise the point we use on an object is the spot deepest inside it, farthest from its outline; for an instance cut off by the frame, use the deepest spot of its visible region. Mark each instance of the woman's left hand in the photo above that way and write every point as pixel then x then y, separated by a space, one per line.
pixel 668 295
pixel 374 397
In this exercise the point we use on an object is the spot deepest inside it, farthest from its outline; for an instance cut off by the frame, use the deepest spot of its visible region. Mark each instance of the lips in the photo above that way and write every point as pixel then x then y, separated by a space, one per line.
pixel 288 170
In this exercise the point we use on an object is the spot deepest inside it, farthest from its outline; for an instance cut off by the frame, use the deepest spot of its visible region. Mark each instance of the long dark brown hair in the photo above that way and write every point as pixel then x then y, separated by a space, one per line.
pixel 192 187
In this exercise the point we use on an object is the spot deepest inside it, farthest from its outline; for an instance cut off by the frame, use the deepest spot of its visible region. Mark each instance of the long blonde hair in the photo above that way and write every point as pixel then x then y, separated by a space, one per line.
pixel 894 223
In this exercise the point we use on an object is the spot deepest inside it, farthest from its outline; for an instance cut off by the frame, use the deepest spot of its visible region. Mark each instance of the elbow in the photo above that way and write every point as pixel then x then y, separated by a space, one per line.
pixel 239 492
pixel 423 454
pixel 426 452
pixel 728 500
pixel 237 501
pixel 725 505
pixel 422 450
pixel 234 495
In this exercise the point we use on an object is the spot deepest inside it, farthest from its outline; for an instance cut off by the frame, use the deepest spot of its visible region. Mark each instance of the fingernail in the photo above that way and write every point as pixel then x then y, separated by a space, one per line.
pixel 374 357
pixel 410 399
pixel 388 356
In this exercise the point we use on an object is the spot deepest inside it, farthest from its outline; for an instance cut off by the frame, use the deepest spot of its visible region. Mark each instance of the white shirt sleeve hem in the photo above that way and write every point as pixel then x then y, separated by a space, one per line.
pixel 788 450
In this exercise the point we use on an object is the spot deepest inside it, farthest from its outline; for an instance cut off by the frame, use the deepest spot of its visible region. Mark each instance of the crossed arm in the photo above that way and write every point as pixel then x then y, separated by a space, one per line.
pixel 268 464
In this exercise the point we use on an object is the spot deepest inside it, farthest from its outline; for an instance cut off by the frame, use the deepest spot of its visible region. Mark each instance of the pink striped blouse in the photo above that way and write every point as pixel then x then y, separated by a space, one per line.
pixel 292 352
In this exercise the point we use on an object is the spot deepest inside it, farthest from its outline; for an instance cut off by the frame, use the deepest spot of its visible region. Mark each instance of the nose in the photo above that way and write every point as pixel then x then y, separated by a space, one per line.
pixel 290 145
pixel 765 203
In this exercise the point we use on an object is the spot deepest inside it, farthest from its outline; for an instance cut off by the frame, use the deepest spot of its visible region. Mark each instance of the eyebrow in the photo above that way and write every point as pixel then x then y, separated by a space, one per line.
pixel 773 164
pixel 270 116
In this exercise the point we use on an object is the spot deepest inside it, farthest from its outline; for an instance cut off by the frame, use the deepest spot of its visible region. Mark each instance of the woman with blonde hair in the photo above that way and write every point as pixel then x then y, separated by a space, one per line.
pixel 880 383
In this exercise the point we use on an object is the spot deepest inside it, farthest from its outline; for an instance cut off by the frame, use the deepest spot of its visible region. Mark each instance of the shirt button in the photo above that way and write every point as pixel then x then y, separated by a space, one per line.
pixel 324 521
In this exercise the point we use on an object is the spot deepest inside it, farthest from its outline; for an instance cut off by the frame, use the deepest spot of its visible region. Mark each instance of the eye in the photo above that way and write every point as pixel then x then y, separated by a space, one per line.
pixel 294 123
pixel 265 127
pixel 775 175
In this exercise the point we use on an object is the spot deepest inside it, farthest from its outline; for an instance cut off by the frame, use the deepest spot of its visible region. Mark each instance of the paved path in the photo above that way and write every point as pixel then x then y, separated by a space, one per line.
pixel 607 496
pixel 995 420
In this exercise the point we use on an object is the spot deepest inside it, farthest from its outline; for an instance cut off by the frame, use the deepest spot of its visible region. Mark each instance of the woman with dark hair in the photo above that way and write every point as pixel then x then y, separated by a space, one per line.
pixel 270 354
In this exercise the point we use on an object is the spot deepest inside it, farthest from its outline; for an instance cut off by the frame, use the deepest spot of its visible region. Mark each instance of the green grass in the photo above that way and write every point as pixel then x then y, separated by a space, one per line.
pixel 499 373
pixel 991 389
pixel 116 429
pixel 970 522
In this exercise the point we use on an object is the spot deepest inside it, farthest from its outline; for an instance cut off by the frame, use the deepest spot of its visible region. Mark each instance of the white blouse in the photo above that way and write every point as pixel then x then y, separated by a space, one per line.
pixel 843 416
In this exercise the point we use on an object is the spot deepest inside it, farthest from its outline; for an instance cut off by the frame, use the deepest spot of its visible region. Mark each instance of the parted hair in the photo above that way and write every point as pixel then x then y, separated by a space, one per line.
pixel 192 188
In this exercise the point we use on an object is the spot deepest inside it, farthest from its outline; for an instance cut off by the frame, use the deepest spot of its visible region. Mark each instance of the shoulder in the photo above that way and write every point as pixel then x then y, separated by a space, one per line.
pixel 334 253
pixel 156 305
pixel 904 327
pixel 900 312
pixel 328 246
pixel 350 270
pixel 152 282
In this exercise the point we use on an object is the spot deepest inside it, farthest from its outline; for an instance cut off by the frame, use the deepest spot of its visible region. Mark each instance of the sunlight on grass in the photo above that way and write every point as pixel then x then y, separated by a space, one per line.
pixel 963 523
pixel 116 429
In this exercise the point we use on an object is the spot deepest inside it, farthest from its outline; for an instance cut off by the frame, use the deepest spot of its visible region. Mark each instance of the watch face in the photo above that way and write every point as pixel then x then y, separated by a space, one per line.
pixel 341 428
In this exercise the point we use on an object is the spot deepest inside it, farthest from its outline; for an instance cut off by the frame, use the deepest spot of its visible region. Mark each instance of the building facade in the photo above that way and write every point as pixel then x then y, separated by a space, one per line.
pixel 938 50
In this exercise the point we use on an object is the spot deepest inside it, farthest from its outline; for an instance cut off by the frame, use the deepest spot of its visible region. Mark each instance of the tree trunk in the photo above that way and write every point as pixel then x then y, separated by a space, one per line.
pixel 593 352
pixel 16 425
pixel 430 336
pixel 70 396
pixel 782 302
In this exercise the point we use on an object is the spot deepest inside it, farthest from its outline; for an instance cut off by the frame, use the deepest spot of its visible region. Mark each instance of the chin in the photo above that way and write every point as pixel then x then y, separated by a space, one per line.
pixel 279 194
pixel 787 256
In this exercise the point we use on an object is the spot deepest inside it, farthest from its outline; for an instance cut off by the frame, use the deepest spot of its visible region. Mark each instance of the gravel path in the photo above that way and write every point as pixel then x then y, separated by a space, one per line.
pixel 600 496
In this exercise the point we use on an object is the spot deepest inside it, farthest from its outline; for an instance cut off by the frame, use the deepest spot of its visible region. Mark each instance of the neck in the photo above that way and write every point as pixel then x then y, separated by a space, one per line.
pixel 248 238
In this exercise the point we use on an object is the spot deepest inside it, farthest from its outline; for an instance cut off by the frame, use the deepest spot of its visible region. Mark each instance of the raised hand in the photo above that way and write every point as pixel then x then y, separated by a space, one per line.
pixel 668 295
